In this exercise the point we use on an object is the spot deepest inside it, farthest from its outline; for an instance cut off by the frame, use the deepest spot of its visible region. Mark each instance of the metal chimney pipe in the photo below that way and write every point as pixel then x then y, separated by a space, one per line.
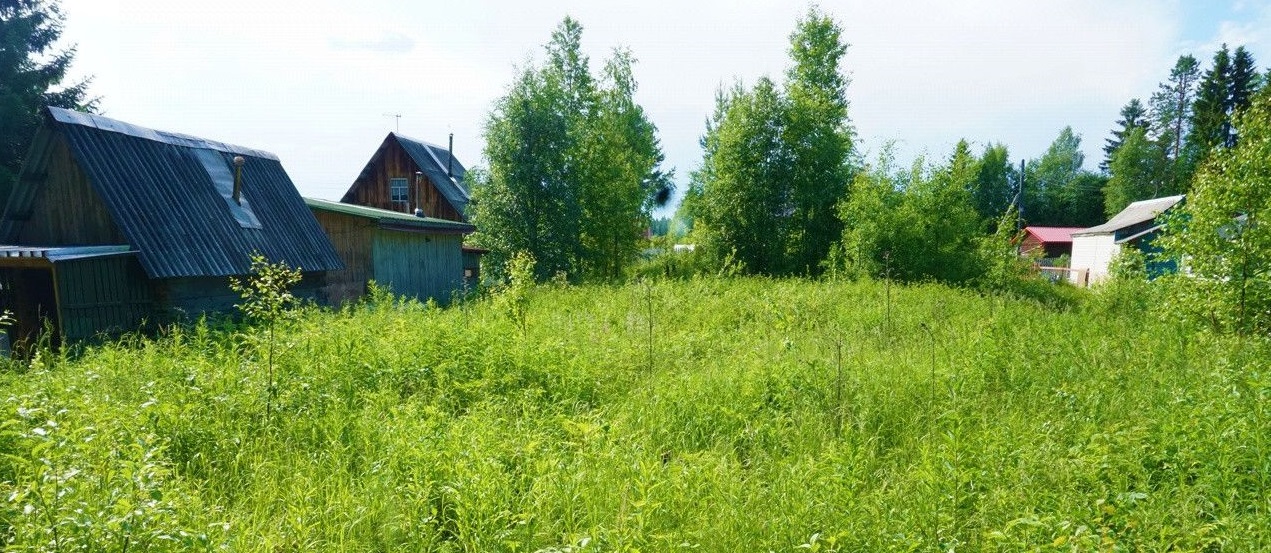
pixel 238 179
pixel 450 161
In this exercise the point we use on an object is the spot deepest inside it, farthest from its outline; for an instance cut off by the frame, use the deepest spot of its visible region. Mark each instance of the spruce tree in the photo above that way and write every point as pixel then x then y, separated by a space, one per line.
pixel 1210 127
pixel 31 75
pixel 1244 82
pixel 1133 116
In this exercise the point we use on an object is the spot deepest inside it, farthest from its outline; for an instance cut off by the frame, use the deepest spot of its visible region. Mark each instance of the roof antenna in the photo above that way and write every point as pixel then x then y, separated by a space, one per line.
pixel 238 179
pixel 397 117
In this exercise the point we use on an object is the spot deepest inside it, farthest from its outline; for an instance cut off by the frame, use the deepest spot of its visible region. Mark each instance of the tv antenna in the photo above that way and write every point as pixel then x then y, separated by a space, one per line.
pixel 398 119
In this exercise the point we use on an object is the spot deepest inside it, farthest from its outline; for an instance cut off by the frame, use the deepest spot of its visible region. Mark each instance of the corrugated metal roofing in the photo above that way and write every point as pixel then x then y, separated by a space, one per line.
pixel 436 162
pixel 63 253
pixel 393 218
pixel 165 202
pixel 1133 214
pixel 1052 235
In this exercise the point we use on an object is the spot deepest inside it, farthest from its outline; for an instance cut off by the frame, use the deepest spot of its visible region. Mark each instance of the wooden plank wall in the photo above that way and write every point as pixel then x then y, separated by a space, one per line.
pixel 391 161
pixel 103 295
pixel 353 239
pixel 28 293
pixel 68 211
pixel 425 266
pixel 184 299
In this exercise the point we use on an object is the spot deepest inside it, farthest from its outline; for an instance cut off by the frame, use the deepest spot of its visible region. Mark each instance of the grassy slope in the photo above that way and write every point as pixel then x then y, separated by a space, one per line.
pixel 772 415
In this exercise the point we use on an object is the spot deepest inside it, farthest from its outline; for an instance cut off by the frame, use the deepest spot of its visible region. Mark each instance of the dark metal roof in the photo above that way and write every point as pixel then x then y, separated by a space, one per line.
pixel 158 188
pixel 393 219
pixel 437 163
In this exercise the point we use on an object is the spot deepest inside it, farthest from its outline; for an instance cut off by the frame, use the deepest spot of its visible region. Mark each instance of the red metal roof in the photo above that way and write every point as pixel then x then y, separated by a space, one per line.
pixel 1052 235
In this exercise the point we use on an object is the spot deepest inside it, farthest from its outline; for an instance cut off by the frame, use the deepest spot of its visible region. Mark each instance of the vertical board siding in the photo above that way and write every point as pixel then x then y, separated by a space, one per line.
pixel 425 266
pixel 353 239
pixel 66 209
pixel 104 295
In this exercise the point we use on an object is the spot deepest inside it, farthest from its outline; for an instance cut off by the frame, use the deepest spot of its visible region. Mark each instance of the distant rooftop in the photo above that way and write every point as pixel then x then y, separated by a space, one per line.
pixel 1133 214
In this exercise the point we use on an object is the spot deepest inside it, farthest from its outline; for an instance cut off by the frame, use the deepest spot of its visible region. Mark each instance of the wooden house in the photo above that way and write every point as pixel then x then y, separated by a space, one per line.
pixel 1136 226
pixel 406 174
pixel 411 176
pixel 420 257
pixel 111 224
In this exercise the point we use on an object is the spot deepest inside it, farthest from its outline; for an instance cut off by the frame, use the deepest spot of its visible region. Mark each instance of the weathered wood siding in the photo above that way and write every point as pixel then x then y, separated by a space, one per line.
pixel 179 299
pixel 103 295
pixel 372 187
pixel 420 265
pixel 67 210
pixel 353 238
pixel 28 293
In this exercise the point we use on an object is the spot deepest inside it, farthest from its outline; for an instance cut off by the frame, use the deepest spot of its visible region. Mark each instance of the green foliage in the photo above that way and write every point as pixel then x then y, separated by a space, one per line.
pixel 266 294
pixel 267 301
pixel 912 226
pixel 1220 234
pixel 514 295
pixel 1133 116
pixel 742 205
pixel 1210 126
pixel 1058 191
pixel 777 415
pixel 777 160
pixel 1170 109
pixel 1004 268
pixel 993 188
pixel 1137 168
pixel 31 75
pixel 574 166
pixel 1127 293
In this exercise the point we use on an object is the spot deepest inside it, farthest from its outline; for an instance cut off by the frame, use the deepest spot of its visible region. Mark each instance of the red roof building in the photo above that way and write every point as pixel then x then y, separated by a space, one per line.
pixel 1052 241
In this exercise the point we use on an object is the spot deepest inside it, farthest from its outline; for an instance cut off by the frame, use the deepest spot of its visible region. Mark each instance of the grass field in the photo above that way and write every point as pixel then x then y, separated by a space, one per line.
pixel 708 415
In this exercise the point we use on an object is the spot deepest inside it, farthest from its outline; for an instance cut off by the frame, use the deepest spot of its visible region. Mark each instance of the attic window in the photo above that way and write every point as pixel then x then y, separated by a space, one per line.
pixel 397 190
pixel 222 174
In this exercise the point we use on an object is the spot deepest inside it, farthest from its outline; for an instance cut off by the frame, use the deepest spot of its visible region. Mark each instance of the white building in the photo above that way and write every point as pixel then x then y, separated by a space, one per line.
pixel 1094 248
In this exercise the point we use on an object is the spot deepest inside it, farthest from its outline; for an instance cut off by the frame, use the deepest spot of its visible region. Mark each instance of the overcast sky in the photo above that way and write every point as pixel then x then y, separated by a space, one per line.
pixel 316 82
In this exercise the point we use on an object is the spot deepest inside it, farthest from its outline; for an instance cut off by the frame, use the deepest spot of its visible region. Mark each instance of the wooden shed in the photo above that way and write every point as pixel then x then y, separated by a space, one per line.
pixel 111 224
pixel 420 257
pixel 405 174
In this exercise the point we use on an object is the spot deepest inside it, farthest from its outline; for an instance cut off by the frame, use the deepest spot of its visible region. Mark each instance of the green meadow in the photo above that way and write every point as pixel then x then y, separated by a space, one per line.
pixel 699 415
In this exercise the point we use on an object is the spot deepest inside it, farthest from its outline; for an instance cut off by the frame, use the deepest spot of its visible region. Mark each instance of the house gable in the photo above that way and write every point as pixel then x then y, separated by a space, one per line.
pixel 405 174
pixel 57 205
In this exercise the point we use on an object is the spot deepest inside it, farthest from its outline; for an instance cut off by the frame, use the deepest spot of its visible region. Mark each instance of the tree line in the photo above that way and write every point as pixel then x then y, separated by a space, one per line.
pixel 574 165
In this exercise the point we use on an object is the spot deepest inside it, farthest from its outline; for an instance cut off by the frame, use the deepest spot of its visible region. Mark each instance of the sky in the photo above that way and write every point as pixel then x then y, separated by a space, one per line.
pixel 321 83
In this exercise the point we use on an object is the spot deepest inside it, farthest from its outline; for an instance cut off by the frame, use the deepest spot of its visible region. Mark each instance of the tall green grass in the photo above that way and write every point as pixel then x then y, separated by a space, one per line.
pixel 768 415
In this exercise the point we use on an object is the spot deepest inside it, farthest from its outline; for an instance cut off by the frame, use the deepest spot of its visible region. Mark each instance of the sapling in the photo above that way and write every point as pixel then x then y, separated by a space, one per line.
pixel 267 300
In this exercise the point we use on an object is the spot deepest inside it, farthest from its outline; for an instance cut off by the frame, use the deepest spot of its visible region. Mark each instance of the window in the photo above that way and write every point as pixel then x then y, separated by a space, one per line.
pixel 397 190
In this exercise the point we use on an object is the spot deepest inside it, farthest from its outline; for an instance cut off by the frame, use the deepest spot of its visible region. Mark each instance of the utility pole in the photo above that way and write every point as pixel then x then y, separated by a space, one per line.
pixel 1019 200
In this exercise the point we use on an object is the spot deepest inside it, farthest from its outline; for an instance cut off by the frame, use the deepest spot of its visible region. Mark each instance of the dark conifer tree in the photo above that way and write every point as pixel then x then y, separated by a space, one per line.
pixel 31 75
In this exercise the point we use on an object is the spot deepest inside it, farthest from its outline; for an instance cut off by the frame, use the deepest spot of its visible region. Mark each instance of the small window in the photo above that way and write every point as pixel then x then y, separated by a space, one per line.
pixel 397 190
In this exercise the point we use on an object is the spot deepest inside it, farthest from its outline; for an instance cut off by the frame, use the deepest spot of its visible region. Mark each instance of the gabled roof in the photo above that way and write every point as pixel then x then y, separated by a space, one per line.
pixel 167 194
pixel 433 161
pixel 392 219
pixel 1133 214
pixel 1052 235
